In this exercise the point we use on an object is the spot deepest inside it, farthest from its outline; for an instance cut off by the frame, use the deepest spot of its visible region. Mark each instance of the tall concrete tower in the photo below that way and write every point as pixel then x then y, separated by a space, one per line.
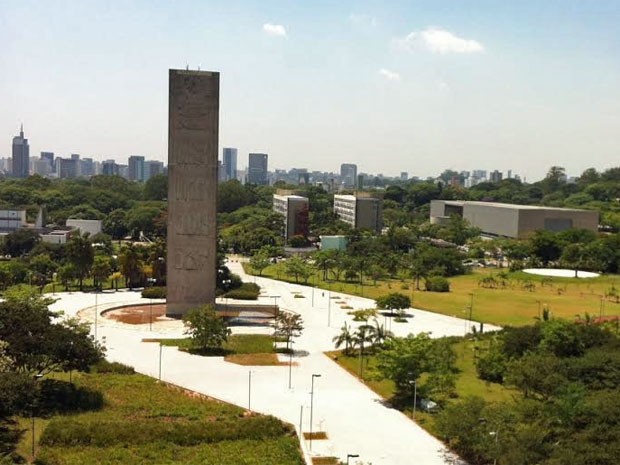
pixel 193 126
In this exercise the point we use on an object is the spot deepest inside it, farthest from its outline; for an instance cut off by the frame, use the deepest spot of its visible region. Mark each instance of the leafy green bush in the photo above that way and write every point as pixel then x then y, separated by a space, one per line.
pixel 492 366
pixel 437 284
pixel 155 292
pixel 247 291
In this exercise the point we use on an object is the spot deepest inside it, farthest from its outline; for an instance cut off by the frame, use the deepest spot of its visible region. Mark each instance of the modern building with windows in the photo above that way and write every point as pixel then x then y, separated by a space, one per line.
pixel 360 211
pixel 516 221
pixel 257 168
pixel 294 208
pixel 229 162
pixel 136 168
pixel 348 174
pixel 21 155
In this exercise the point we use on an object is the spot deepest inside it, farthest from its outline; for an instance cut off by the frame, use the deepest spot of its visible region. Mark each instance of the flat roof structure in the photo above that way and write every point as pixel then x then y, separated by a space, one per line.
pixel 511 220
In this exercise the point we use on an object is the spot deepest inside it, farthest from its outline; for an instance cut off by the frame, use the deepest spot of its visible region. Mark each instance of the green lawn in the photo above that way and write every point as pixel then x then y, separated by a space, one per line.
pixel 467 382
pixel 145 422
pixel 513 304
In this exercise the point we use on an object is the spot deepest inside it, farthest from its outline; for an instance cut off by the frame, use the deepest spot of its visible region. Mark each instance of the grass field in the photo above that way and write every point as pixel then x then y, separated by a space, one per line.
pixel 144 422
pixel 522 299
pixel 467 382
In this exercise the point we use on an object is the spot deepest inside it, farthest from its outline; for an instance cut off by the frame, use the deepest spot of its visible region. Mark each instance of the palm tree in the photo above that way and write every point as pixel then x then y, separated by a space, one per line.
pixel 380 334
pixel 345 337
pixel 364 334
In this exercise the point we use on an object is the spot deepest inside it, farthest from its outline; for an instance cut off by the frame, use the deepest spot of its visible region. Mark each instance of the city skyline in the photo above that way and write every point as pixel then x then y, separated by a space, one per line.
pixel 396 87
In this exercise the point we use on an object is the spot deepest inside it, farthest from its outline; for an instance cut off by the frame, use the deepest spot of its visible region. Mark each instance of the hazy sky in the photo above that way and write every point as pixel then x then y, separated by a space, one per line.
pixel 393 86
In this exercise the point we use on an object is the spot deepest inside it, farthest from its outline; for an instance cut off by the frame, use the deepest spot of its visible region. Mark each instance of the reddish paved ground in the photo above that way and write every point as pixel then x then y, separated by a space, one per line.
pixel 139 314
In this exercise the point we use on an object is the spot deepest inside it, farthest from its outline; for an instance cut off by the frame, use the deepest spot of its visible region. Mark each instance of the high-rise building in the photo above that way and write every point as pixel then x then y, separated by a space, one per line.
pixel 49 156
pixel 153 168
pixel 348 174
pixel 404 175
pixel 257 168
pixel 86 167
pixel 109 168
pixel 229 161
pixel 42 167
pixel 136 168
pixel 67 168
pixel 496 176
pixel 21 155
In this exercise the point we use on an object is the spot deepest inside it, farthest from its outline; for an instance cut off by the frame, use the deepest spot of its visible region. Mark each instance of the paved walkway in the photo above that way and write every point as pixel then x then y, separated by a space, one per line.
pixel 354 418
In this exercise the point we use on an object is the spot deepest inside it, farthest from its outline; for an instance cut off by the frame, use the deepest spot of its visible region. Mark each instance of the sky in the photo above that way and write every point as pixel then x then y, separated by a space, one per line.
pixel 415 86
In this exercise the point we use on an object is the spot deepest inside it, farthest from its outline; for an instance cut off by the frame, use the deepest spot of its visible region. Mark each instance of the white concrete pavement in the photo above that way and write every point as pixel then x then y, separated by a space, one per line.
pixel 354 418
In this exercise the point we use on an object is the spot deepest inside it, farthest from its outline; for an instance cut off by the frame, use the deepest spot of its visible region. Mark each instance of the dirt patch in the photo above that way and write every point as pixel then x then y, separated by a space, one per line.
pixel 138 314
pixel 255 359
pixel 325 461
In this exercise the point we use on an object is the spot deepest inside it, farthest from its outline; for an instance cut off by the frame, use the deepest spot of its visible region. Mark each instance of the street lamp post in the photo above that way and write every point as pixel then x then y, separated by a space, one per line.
pixel 312 406
pixel 290 365
pixel 250 391
pixel 329 304
pixel 160 348
pixel 351 456
pixel 471 308
pixel 96 312
pixel 36 377
pixel 313 284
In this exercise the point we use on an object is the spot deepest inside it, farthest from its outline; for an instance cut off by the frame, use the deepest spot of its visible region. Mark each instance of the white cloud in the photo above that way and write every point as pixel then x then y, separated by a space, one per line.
pixel 389 75
pixel 362 20
pixel 274 30
pixel 439 41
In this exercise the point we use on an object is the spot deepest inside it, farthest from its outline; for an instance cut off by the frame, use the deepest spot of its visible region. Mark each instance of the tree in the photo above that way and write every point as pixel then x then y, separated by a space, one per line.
pixel 66 274
pixel 39 342
pixel 298 268
pixel 20 242
pixel 131 265
pixel 81 255
pixel 364 335
pixel 288 325
pixel 394 301
pixel 206 329
pixel 545 246
pixel 259 261
pixel 345 337
pixel 403 360
pixel 115 224
pixel 101 270
pixel 156 187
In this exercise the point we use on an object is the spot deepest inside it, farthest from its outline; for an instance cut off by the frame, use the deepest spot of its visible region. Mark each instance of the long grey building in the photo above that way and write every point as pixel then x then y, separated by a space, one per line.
pixel 294 208
pixel 21 155
pixel 516 221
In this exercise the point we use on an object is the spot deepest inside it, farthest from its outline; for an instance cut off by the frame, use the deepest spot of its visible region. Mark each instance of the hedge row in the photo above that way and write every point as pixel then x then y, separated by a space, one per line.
pixel 247 291
pixel 90 432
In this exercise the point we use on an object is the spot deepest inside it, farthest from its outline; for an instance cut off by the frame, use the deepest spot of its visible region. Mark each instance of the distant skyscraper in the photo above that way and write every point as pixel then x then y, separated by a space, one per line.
pixel 404 175
pixel 153 168
pixel 136 168
pixel 348 174
pixel 229 160
pixel 87 167
pixel 257 168
pixel 67 168
pixel 109 168
pixel 48 156
pixel 21 155
pixel 496 176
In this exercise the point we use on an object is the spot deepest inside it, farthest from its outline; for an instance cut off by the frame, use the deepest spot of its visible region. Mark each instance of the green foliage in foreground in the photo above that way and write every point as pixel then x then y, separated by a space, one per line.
pixel 145 422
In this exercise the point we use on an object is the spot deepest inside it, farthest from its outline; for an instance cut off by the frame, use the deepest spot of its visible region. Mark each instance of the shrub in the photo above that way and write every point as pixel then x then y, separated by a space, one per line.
pixel 492 366
pixel 155 292
pixel 247 291
pixel 437 284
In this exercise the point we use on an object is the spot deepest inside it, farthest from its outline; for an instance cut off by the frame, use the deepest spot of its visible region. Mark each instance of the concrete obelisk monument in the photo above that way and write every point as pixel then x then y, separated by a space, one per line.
pixel 194 100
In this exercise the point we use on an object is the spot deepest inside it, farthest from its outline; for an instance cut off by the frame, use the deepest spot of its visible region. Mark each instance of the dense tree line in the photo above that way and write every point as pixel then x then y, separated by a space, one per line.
pixel 568 411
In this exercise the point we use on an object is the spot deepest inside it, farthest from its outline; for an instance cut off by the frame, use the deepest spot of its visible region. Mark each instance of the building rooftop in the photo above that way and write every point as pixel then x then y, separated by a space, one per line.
pixel 461 203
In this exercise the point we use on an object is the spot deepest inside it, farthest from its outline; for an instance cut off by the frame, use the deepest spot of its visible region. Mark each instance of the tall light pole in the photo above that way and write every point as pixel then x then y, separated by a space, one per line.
pixel 351 456
pixel 250 391
pixel 96 312
pixel 329 305
pixel 313 284
pixel 290 365
pixel 471 307
pixel 160 348
pixel 312 406
pixel 36 377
